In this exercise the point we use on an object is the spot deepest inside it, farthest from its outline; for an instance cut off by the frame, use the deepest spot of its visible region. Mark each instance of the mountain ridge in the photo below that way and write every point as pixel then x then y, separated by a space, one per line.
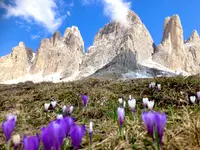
pixel 116 51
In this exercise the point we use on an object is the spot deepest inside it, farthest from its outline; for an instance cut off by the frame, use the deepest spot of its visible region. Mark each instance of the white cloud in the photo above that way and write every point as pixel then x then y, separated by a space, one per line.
pixel 68 13
pixel 117 10
pixel 43 12
pixel 22 25
pixel 33 37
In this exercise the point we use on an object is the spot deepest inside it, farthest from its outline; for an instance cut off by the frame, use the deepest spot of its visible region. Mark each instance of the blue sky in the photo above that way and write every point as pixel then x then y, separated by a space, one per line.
pixel 20 21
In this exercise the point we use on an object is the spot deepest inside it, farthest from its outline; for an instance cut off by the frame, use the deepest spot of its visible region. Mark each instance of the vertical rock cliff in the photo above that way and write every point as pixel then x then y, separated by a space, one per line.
pixel 16 64
pixel 171 52
pixel 60 54
pixel 118 45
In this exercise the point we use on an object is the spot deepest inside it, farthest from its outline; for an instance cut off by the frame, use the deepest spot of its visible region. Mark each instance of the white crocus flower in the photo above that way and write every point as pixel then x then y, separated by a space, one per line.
pixel 64 109
pixel 132 104
pixel 71 108
pixel 159 87
pixel 16 139
pixel 60 116
pixel 129 97
pixel 145 101
pixel 152 84
pixel 120 100
pixel 46 106
pixel 91 127
pixel 150 104
pixel 53 103
pixel 192 99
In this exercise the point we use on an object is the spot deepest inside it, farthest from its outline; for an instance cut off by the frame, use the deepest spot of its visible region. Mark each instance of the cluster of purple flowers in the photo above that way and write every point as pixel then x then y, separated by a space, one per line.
pixel 155 122
pixel 52 136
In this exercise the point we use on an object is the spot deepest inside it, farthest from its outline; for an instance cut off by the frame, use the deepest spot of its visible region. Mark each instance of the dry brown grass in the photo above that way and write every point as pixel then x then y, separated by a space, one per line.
pixel 183 124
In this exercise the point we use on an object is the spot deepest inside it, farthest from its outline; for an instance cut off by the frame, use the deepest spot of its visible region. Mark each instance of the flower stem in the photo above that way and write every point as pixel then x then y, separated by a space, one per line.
pixel 90 145
pixel 8 145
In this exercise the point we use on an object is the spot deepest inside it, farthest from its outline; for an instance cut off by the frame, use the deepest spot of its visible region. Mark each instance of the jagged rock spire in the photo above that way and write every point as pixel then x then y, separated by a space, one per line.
pixel 194 37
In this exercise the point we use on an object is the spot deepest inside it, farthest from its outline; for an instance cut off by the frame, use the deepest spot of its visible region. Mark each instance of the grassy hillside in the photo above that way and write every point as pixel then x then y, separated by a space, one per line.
pixel 183 123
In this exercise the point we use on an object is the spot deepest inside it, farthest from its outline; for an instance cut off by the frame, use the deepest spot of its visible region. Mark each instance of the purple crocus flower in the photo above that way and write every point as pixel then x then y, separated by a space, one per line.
pixel 67 123
pixel 156 119
pixel 8 126
pixel 31 143
pixel 198 95
pixel 53 135
pixel 160 121
pixel 121 114
pixel 148 119
pixel 76 134
pixel 84 99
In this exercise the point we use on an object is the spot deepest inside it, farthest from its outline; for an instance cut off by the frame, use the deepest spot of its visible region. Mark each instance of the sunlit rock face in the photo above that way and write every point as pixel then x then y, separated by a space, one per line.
pixel 172 50
pixel 192 47
pixel 118 46
pixel 16 64
pixel 60 54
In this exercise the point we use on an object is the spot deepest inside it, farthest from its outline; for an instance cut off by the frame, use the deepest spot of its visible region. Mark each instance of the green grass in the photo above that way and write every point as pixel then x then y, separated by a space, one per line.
pixel 182 128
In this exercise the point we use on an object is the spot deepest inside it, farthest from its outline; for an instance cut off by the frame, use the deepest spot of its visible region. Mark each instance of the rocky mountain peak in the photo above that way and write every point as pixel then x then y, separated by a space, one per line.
pixel 173 26
pixel 72 36
pixel 117 51
pixel 194 37
pixel 61 55
pixel 172 49
pixel 118 45
pixel 56 38
pixel 17 63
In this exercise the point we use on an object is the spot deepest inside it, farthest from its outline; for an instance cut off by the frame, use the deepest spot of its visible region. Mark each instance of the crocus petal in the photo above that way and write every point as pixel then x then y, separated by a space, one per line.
pixel 67 122
pixel 198 95
pixel 84 99
pixel 64 109
pixel 16 141
pixel 160 121
pixel 46 136
pixel 192 99
pixel 46 106
pixel 150 104
pixel 121 114
pixel 159 87
pixel 31 143
pixel 132 103
pixel 120 100
pixel 54 103
pixel 76 134
pixel 148 119
pixel 145 101
pixel 71 108
pixel 91 127
pixel 8 127
pixel 59 116
pixel 53 135
pixel 58 134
